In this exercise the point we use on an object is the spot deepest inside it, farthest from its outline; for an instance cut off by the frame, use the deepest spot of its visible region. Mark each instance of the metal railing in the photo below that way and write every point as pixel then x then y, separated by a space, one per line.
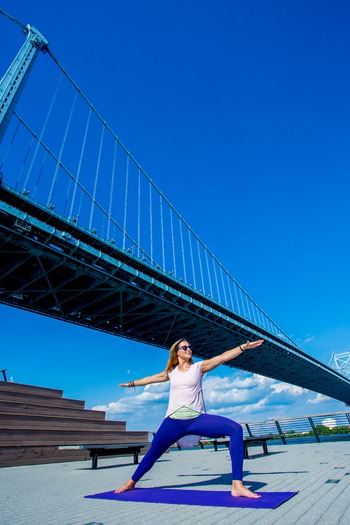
pixel 318 427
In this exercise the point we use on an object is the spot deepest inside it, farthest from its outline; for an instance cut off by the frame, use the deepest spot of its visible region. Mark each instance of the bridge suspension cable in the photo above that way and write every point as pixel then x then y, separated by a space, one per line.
pixel 64 154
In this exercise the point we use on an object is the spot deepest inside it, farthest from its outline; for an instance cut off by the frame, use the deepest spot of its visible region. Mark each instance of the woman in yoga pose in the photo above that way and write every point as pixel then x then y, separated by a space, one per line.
pixel 186 414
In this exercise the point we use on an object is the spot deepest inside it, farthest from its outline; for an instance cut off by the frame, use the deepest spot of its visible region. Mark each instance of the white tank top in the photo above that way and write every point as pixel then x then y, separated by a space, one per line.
pixel 186 389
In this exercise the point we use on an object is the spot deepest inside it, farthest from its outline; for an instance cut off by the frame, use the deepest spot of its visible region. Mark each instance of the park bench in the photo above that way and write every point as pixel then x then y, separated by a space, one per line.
pixel 249 441
pixel 117 449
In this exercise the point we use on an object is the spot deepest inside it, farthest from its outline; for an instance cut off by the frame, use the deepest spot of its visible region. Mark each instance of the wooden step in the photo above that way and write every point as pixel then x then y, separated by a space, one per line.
pixel 26 438
pixel 35 422
pixel 9 386
pixel 21 397
pixel 16 456
pixel 20 408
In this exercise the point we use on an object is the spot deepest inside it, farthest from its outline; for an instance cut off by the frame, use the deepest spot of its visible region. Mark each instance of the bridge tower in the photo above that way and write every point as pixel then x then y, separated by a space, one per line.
pixel 341 363
pixel 12 83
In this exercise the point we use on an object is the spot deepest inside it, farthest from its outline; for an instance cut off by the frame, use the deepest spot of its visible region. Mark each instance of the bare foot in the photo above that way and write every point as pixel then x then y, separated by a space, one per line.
pixel 238 489
pixel 129 485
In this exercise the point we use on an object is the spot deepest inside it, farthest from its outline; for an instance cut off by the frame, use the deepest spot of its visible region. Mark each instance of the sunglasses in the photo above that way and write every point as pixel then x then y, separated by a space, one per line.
pixel 185 348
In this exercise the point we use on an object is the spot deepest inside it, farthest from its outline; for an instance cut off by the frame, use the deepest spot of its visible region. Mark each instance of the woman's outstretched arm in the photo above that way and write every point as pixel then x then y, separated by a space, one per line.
pixel 156 378
pixel 212 363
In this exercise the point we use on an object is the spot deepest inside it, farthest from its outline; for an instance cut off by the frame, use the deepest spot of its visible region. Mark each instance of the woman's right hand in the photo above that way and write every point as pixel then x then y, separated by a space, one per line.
pixel 157 378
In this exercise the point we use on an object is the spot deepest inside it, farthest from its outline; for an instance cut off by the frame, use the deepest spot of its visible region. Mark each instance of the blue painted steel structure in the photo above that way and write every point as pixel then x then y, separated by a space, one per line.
pixel 87 237
pixel 13 81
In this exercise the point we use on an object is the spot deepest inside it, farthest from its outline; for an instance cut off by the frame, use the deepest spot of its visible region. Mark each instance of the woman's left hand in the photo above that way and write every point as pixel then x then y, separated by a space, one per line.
pixel 210 364
pixel 251 344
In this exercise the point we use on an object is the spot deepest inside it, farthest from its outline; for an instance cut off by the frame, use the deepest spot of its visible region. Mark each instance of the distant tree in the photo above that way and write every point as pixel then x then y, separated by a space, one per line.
pixel 341 430
pixel 323 431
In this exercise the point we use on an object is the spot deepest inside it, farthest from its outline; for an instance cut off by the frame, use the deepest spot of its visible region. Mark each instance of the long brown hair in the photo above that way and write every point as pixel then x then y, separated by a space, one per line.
pixel 173 358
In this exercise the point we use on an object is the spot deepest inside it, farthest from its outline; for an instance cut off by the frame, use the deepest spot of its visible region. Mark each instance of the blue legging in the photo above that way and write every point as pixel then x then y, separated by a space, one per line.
pixel 171 430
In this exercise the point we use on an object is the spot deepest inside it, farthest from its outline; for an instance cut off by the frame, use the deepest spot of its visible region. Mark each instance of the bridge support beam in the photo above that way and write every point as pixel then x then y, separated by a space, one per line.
pixel 12 83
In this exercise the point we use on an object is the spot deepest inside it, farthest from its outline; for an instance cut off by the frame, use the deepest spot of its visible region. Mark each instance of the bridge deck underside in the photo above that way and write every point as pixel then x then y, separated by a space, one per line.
pixel 54 276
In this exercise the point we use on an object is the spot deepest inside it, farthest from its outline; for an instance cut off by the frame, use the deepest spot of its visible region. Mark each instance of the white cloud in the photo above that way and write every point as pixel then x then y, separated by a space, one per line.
pixel 254 397
pixel 320 398
pixel 140 408
pixel 101 408
pixel 293 390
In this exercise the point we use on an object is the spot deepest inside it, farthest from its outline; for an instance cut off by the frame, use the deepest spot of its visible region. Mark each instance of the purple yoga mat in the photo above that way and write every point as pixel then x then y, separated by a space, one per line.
pixel 207 498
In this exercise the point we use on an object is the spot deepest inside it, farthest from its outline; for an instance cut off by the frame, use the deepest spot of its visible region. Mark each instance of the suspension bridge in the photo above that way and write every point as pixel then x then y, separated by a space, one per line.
pixel 87 237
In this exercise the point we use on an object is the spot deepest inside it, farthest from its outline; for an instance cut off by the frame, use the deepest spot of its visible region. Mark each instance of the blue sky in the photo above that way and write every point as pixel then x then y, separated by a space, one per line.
pixel 239 111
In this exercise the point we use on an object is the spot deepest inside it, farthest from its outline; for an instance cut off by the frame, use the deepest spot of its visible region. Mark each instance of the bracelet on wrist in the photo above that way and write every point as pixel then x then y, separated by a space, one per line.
pixel 241 349
pixel 131 384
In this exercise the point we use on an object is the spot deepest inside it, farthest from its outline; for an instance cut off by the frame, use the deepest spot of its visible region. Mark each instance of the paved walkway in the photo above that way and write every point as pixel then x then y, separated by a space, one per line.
pixel 54 494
